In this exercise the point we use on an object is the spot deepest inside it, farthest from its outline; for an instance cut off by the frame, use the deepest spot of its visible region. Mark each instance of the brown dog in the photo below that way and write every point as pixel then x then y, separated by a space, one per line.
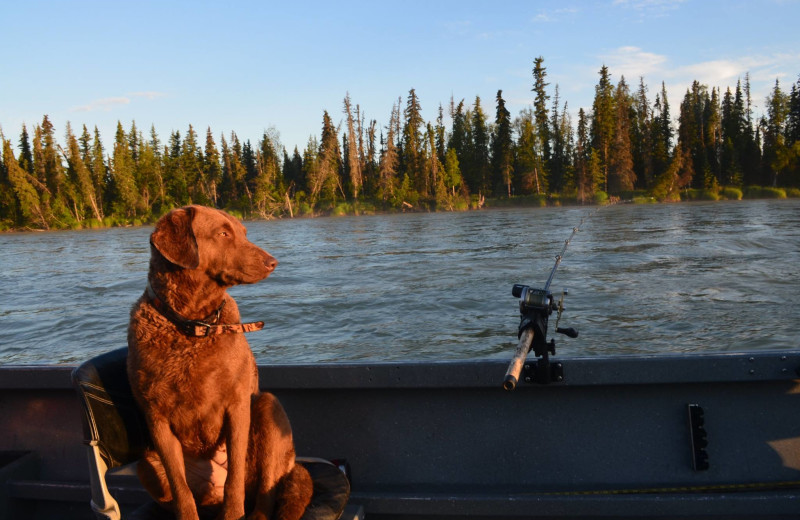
pixel 195 378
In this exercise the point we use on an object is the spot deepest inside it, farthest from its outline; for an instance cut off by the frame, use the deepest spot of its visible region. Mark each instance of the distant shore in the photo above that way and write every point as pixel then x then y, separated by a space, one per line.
pixel 360 208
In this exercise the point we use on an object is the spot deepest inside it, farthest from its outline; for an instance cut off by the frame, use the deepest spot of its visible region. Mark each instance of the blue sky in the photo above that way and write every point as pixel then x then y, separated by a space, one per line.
pixel 251 66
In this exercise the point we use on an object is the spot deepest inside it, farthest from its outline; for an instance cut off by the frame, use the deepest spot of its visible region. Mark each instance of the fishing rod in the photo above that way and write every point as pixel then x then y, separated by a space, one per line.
pixel 535 308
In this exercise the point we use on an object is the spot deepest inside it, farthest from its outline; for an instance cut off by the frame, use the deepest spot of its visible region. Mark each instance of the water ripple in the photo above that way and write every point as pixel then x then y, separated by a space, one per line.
pixel 643 279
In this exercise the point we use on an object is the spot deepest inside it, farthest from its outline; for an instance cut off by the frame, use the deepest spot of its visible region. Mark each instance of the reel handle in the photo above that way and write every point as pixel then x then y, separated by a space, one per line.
pixel 569 331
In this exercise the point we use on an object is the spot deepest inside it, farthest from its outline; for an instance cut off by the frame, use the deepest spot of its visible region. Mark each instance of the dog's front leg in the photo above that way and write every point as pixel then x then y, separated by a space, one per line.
pixel 237 425
pixel 169 450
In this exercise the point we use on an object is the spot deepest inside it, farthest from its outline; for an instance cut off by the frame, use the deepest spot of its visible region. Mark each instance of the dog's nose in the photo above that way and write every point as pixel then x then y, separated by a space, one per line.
pixel 270 263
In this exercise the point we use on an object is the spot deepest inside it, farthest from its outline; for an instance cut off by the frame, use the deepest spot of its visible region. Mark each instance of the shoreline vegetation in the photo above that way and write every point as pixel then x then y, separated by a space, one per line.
pixel 362 208
pixel 626 147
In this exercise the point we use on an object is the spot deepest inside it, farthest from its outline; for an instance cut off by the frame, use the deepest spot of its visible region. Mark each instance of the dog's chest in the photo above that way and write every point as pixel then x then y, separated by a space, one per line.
pixel 198 373
pixel 193 392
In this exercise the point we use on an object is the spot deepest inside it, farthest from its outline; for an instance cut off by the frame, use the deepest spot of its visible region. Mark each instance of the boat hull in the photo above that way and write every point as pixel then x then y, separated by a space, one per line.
pixel 443 439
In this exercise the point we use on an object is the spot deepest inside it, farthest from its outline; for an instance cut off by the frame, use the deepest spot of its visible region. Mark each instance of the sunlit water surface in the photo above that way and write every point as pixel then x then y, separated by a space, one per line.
pixel 642 279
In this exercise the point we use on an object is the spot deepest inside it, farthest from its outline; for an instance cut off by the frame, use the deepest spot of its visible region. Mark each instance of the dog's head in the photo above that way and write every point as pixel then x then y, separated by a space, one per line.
pixel 210 241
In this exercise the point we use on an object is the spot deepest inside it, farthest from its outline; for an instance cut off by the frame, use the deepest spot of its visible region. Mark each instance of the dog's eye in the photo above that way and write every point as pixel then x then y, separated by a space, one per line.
pixel 224 234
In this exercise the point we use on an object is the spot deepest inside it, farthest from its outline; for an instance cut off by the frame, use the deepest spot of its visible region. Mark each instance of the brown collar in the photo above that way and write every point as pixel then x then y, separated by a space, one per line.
pixel 208 326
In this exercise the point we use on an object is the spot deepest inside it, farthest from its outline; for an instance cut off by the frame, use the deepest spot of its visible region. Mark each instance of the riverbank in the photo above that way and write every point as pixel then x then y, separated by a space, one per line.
pixel 475 203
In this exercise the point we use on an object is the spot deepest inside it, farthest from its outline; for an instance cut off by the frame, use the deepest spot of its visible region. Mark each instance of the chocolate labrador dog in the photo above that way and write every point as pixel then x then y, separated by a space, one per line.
pixel 218 442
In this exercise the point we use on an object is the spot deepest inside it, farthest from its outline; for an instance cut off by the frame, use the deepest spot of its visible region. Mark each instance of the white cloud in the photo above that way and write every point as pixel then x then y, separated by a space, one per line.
pixel 650 7
pixel 716 72
pixel 633 62
pixel 554 15
pixel 103 104
pixel 109 103
pixel 148 94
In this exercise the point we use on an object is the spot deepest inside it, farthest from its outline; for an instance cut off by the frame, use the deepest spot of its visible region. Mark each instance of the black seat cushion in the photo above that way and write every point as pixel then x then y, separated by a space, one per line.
pixel 111 417
pixel 331 491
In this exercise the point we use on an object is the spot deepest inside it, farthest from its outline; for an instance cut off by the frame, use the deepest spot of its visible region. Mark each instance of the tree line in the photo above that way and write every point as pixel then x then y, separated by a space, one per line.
pixel 625 146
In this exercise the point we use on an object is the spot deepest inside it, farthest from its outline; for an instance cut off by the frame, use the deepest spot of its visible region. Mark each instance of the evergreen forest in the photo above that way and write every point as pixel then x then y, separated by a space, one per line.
pixel 629 146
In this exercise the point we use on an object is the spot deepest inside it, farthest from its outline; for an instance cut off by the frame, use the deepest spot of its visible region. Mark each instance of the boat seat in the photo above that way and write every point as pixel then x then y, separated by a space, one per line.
pixel 116 435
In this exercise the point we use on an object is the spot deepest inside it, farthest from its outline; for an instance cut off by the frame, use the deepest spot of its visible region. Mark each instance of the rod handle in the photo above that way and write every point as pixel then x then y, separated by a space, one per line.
pixel 518 361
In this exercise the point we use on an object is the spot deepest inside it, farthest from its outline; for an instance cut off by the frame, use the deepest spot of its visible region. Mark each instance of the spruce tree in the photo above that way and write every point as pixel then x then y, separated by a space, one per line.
pixel 603 123
pixel 267 185
pixel 25 154
pixel 293 171
pixel 329 162
pixel 452 179
pixel 191 167
pixel 540 109
pixel 793 120
pixel 712 141
pixel 81 178
pixel 311 170
pixel 85 141
pixel 126 196
pixel 39 177
pixel 99 169
pixel 557 165
pixel 441 136
pixel 24 186
pixel 793 135
pixel 502 156
pixel 621 176
pixel 370 163
pixel 730 169
pixel 389 160
pixel 693 133
pixel 9 211
pixel 749 147
pixel 212 168
pixel 457 138
pixel 150 178
pixel 434 169
pixel 642 137
pixel 528 162
pixel 777 157
pixel 352 155
pixel 227 183
pixel 478 174
pixel 133 142
pixel 412 157
pixel 583 151
pixel 569 186
pixel 174 175
pixel 248 158
pixel 51 165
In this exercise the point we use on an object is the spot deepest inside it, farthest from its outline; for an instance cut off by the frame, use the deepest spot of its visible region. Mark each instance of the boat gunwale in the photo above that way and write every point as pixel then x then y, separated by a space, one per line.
pixel 734 367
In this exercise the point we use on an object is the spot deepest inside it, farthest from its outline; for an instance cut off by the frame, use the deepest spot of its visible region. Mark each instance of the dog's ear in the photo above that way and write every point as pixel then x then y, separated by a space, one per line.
pixel 175 240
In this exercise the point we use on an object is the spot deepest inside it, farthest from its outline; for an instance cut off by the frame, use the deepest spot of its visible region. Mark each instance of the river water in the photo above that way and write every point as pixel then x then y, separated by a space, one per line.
pixel 642 279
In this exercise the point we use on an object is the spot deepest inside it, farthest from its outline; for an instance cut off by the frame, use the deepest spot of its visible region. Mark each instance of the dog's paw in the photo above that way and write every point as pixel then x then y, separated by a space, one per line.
pixel 230 514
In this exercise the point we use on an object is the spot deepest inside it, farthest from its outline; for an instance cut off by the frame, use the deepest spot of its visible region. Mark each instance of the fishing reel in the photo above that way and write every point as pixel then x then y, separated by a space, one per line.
pixel 539 301
pixel 531 299
pixel 535 308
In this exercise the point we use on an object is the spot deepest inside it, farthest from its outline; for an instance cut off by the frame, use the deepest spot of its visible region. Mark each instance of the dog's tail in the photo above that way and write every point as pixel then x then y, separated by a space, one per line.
pixel 294 494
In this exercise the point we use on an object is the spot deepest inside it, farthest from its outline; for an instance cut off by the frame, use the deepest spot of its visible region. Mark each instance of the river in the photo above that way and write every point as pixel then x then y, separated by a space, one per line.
pixel 642 279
